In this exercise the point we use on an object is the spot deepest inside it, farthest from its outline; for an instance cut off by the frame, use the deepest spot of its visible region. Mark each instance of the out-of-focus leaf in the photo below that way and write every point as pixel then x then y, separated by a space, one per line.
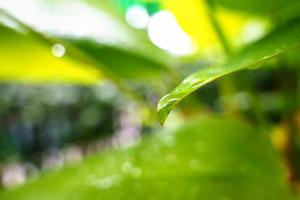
pixel 288 11
pixel 278 41
pixel 266 7
pixel 122 51
pixel 24 59
pixel 124 63
pixel 211 158
pixel 194 18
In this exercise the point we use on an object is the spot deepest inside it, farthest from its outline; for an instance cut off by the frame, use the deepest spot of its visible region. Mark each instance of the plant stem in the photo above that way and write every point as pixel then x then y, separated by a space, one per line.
pixel 217 28
pixel 226 85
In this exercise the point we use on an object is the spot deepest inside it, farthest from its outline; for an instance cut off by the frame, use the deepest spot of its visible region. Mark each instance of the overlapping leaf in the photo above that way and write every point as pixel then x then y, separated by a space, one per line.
pixel 265 7
pixel 124 63
pixel 26 60
pixel 275 43
pixel 211 158
pixel 98 33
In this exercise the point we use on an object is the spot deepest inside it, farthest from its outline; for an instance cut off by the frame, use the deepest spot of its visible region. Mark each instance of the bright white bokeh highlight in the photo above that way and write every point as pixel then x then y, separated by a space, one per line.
pixel 165 32
pixel 58 50
pixel 71 19
pixel 75 19
pixel 137 17
pixel 253 30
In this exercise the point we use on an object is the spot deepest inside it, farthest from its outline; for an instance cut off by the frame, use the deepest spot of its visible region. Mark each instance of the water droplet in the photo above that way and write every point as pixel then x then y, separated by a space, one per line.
pixel 267 57
pixel 201 83
pixel 130 169
pixel 137 16
pixel 58 50
pixel 104 183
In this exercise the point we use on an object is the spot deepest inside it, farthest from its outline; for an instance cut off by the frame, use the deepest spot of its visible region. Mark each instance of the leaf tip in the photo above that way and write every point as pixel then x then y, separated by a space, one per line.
pixel 161 119
pixel 162 113
pixel 162 116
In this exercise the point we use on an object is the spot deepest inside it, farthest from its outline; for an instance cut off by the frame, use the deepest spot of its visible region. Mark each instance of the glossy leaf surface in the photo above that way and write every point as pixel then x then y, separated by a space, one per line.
pixel 275 43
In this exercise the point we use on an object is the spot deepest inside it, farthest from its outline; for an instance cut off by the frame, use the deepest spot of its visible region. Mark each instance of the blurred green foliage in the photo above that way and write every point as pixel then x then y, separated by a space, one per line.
pixel 20 52
pixel 195 161
pixel 212 157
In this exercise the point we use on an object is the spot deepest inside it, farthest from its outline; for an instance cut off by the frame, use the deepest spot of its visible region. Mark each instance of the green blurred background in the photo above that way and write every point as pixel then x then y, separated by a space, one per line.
pixel 80 80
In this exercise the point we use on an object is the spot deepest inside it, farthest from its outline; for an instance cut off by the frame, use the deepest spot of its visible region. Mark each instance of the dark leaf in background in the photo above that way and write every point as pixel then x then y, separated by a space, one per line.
pixel 123 63
pixel 266 7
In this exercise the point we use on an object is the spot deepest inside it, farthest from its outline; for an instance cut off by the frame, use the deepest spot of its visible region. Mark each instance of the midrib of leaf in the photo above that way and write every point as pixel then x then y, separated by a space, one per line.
pixel 280 40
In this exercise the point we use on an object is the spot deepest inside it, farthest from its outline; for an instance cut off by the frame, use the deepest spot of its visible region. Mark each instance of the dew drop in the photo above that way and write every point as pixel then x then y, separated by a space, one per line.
pixel 104 183
pixel 58 50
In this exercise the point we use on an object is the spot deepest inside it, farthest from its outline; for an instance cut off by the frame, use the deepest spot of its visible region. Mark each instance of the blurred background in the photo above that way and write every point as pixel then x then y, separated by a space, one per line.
pixel 80 76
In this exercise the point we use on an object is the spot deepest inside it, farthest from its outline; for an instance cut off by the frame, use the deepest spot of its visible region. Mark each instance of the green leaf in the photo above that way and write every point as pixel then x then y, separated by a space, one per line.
pixel 265 7
pixel 275 43
pixel 126 64
pixel 98 33
pixel 23 59
pixel 211 158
